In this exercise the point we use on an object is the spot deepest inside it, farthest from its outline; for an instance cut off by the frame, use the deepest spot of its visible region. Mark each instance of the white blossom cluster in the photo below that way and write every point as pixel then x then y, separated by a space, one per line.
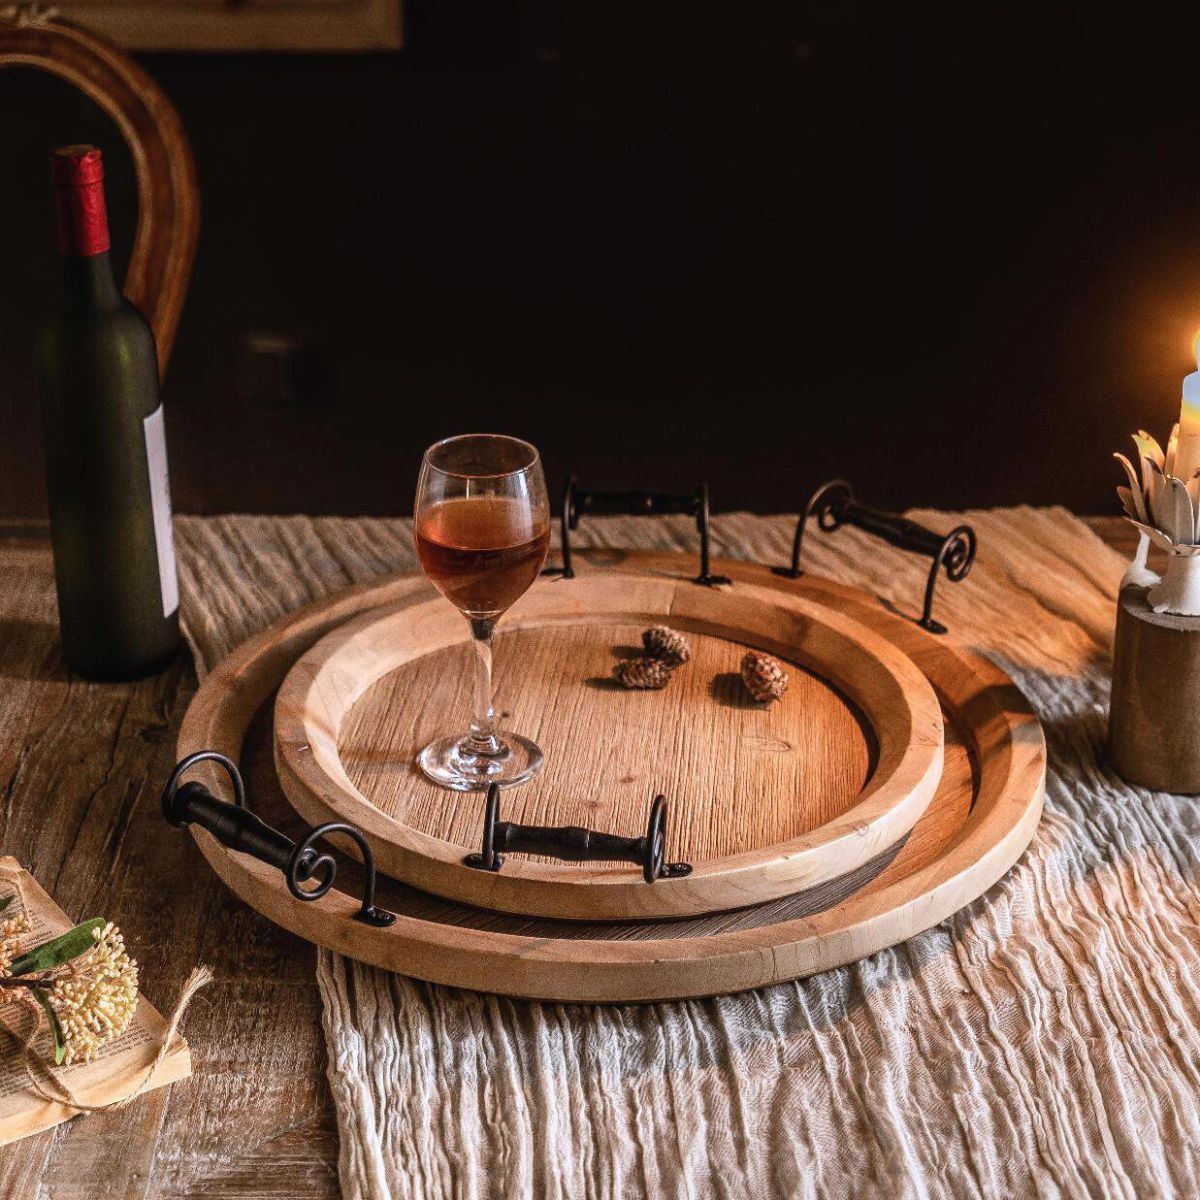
pixel 11 932
pixel 95 995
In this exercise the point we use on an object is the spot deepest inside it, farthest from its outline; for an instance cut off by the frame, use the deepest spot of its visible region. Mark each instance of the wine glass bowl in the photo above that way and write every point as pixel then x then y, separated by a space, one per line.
pixel 481 524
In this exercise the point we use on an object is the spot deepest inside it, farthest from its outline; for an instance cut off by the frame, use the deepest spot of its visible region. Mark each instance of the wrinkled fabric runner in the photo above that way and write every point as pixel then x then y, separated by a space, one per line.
pixel 1042 1041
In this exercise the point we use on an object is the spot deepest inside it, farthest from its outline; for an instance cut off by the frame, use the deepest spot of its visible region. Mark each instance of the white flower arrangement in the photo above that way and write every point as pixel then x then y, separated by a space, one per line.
pixel 1166 511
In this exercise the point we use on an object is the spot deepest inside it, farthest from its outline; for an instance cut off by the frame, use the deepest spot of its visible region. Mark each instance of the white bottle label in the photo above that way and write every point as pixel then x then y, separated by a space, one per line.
pixel 160 500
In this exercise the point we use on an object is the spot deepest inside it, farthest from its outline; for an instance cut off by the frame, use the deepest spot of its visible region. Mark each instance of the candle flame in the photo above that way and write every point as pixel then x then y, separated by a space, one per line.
pixel 1196 349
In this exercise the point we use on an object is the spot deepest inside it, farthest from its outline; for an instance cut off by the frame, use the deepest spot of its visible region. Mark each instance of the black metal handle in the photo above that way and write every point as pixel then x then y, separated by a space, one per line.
pixel 577 503
pixel 834 505
pixel 576 844
pixel 235 826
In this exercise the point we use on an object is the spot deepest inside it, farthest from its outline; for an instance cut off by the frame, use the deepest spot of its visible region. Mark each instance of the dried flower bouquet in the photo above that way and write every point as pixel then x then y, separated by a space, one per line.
pixel 85 982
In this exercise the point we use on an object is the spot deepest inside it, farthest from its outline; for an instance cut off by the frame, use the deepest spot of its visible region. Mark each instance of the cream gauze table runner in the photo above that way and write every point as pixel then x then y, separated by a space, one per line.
pixel 1044 1041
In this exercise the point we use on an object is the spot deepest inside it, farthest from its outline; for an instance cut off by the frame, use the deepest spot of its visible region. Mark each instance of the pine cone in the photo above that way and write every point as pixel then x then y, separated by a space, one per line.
pixel 642 674
pixel 666 645
pixel 763 676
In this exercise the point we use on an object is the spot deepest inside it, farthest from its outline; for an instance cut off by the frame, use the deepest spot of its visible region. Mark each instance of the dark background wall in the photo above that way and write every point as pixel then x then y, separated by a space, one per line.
pixel 950 251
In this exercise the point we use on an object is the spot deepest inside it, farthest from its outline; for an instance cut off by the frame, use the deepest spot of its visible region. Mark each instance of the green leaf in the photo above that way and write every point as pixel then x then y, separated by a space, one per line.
pixel 6 902
pixel 60 1045
pixel 58 950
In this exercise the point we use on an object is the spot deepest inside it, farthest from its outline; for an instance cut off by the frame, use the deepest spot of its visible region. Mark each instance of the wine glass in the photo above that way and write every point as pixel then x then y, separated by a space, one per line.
pixel 482 528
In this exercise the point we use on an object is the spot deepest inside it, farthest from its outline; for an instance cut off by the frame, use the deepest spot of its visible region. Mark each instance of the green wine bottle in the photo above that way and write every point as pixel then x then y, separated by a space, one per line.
pixel 106 461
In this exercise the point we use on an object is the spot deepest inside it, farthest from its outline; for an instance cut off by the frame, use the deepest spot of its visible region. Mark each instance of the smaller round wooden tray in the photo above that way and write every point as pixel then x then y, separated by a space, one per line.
pixel 765 801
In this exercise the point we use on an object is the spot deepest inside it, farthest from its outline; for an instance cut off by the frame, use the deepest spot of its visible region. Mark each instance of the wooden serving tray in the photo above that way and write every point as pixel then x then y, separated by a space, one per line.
pixel 765 801
pixel 983 813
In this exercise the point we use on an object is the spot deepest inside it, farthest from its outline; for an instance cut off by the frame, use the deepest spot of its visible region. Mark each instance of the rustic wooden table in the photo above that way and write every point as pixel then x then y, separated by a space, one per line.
pixel 81 765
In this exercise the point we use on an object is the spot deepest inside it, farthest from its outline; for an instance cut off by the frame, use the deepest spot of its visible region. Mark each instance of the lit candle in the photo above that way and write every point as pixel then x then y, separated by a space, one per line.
pixel 1187 450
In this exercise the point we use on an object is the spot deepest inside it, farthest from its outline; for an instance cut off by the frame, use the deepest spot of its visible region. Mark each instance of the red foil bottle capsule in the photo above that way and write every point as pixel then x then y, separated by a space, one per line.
pixel 78 176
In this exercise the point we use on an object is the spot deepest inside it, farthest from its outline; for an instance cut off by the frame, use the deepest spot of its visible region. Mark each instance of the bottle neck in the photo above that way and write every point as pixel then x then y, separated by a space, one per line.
pixel 88 282
pixel 78 175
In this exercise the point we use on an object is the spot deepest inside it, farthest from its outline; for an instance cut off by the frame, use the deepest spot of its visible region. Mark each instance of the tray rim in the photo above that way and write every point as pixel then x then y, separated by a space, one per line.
pixel 322 686
pixel 1002 821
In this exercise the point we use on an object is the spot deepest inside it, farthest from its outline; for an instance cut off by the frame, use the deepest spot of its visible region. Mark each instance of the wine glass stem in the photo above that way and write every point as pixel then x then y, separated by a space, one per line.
pixel 482 738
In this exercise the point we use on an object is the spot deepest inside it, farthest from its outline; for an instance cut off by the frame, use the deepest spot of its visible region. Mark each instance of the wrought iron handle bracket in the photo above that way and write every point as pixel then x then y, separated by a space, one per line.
pixel 834 505
pixel 576 844
pixel 235 826
pixel 578 503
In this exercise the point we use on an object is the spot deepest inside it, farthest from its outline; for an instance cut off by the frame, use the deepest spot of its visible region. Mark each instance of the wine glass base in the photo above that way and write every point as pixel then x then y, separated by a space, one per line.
pixel 451 763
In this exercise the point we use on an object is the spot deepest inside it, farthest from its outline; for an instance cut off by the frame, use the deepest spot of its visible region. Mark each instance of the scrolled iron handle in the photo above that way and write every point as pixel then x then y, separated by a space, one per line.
pixel 833 504
pixel 235 826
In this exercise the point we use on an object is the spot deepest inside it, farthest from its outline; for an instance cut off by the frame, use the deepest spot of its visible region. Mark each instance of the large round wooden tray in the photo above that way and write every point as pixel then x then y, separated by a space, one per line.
pixel 764 801
pixel 981 818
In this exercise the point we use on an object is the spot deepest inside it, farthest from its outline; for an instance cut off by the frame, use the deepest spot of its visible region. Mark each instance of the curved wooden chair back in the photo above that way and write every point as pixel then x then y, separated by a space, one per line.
pixel 168 222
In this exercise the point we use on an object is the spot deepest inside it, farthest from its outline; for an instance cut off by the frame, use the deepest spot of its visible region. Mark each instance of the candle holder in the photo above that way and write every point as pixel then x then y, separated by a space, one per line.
pixel 1165 510
pixel 1153 720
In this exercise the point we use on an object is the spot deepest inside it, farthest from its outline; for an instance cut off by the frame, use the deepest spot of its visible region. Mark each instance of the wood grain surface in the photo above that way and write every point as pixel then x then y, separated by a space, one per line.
pixel 1154 722
pixel 810 745
pixel 559 690
pixel 82 763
